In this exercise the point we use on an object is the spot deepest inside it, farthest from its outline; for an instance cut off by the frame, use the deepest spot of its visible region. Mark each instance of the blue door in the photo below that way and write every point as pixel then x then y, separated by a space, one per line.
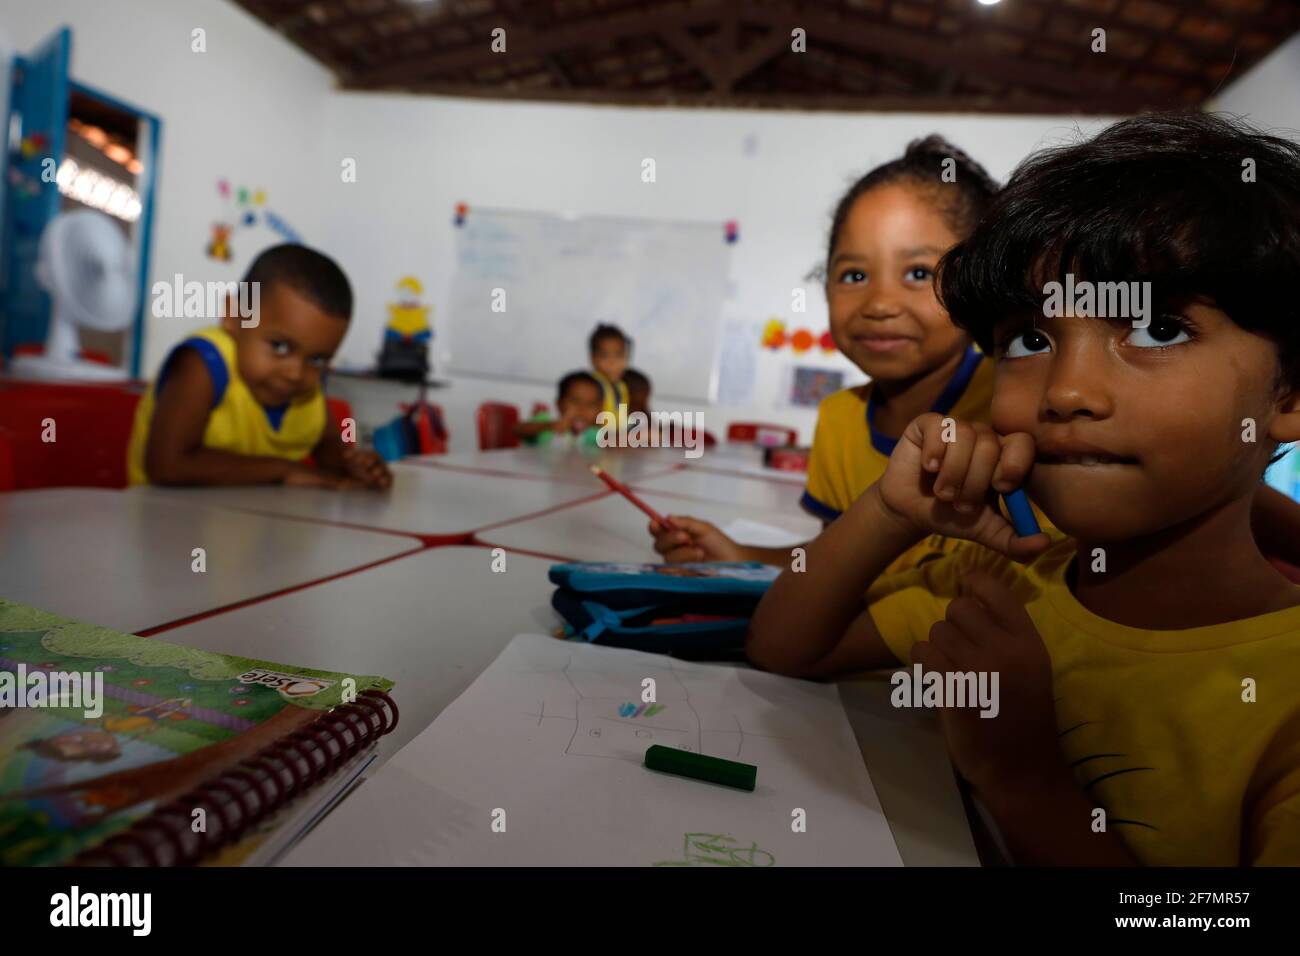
pixel 38 122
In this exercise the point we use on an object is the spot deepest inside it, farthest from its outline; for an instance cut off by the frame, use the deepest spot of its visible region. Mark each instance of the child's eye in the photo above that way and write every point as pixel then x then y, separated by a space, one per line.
pixel 318 362
pixel 279 348
pixel 853 276
pixel 1161 333
pixel 920 274
pixel 1028 342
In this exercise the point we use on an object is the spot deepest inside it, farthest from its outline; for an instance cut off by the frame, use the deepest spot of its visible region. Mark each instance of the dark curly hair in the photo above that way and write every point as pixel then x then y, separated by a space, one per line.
pixel 963 200
pixel 1202 206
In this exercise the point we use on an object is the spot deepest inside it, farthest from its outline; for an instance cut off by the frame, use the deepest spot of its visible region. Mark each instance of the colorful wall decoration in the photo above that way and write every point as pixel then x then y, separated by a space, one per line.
pixel 776 337
pixel 241 209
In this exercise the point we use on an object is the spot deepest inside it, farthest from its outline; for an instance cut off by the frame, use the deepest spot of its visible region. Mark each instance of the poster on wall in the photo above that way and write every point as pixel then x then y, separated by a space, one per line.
pixel 810 384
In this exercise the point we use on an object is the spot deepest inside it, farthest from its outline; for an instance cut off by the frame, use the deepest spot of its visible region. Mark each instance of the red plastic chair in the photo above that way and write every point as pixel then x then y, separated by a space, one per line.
pixel 92 428
pixel 8 480
pixel 340 409
pixel 761 434
pixel 496 426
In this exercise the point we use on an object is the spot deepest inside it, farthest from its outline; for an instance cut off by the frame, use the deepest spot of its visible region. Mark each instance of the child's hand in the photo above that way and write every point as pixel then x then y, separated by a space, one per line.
pixel 695 541
pixel 987 630
pixel 367 467
pixel 305 477
pixel 950 487
pixel 569 423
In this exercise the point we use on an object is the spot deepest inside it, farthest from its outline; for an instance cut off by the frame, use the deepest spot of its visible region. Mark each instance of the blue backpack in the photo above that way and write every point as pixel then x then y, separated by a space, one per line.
pixel 686 610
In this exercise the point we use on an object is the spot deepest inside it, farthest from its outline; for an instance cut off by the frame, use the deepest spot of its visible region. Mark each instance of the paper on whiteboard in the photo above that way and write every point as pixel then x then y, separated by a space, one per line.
pixel 549 743
pixel 737 363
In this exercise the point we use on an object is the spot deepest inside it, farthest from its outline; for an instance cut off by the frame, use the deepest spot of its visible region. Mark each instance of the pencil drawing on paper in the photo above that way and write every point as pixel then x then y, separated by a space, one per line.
pixel 610 720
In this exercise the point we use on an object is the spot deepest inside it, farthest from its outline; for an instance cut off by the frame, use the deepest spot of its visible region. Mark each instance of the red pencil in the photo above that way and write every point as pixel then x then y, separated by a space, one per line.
pixel 626 492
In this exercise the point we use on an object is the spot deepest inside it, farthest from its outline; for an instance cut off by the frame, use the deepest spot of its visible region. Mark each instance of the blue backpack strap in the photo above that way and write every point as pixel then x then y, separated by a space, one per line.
pixel 604 619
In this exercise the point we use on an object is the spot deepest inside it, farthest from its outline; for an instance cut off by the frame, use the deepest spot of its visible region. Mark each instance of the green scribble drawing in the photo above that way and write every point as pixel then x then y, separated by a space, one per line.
pixel 719 849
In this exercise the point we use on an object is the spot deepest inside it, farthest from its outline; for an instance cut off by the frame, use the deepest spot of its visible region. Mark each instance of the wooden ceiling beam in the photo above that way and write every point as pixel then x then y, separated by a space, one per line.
pixel 890 41
pixel 525 42
pixel 1016 103
pixel 712 63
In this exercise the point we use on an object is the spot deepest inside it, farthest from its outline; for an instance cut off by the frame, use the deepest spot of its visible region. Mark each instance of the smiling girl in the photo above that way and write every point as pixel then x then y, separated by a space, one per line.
pixel 887 234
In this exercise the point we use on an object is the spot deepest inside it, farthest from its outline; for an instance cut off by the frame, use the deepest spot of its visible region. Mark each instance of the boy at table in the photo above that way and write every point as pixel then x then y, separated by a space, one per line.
pixel 241 403
pixel 578 400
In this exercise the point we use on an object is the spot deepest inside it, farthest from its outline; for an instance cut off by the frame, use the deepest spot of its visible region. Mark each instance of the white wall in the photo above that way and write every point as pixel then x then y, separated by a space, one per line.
pixel 256 111
pixel 778 174
pixel 1269 95
pixel 248 109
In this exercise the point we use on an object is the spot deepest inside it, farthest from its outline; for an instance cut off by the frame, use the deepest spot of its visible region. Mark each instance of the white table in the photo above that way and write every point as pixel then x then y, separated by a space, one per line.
pixel 611 529
pixel 433 621
pixel 430 621
pixel 433 502
pixel 123 560
pixel 560 463
pixel 700 489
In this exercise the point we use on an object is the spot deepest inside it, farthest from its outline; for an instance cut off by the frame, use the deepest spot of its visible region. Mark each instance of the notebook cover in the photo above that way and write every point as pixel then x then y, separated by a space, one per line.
pixel 169 719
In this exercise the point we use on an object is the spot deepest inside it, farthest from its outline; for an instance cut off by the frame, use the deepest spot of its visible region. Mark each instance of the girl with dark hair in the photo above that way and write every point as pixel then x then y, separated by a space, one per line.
pixel 887 234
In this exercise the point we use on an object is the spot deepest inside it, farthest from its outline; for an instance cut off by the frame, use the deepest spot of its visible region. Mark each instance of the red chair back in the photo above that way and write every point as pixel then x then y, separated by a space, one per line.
pixel 340 409
pixel 496 426
pixel 761 434
pixel 90 425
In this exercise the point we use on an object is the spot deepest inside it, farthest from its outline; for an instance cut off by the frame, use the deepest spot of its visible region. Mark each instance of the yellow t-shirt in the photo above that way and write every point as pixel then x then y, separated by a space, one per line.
pixel 849 456
pixel 612 393
pixel 1152 722
pixel 237 423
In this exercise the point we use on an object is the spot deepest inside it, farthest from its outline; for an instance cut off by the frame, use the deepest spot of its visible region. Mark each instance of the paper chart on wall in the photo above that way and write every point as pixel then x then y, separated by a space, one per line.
pixel 539 762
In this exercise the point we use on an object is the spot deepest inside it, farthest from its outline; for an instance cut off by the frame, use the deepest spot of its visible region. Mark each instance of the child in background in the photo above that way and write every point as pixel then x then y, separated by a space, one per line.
pixel 886 237
pixel 609 349
pixel 244 406
pixel 1149 662
pixel 578 402
pixel 638 391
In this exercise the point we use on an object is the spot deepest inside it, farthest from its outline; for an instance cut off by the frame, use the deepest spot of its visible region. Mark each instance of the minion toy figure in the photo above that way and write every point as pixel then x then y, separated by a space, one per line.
pixel 408 317
pixel 405 353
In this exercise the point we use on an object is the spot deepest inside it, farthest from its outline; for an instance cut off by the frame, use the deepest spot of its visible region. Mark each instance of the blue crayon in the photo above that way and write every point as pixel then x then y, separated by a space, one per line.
pixel 1022 514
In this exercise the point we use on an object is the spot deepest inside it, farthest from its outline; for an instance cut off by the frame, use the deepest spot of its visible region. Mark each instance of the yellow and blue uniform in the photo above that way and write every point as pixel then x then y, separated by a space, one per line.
pixel 612 393
pixel 237 422
pixel 1152 722
pixel 849 455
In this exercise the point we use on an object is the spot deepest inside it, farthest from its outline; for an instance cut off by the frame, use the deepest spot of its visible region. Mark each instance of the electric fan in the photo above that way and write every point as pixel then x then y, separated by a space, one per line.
pixel 86 265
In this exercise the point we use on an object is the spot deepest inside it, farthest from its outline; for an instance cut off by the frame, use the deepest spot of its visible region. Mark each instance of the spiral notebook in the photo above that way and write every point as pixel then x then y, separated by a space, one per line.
pixel 123 750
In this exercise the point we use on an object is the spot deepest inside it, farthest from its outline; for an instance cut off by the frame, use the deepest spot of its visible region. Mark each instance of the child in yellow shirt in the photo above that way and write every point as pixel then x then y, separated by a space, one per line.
pixel 1146 707
pixel 236 405
pixel 887 234
pixel 609 349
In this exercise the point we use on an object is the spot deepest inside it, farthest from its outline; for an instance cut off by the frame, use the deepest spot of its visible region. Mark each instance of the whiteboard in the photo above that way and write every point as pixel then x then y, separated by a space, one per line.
pixel 663 283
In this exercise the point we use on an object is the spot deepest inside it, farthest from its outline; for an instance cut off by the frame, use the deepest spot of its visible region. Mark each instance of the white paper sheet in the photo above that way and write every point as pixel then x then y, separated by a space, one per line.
pixel 548 744
pixel 760 535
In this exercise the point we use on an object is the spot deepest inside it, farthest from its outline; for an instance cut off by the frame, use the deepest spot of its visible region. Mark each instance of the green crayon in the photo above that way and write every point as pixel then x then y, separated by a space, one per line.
pixel 683 763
